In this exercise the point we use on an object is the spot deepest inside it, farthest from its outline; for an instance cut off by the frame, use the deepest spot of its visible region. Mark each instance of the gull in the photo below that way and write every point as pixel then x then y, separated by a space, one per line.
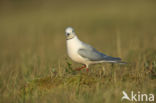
pixel 83 53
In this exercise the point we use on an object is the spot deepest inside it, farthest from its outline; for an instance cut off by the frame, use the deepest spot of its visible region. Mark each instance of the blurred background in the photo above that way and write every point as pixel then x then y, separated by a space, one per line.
pixel 32 25
pixel 32 35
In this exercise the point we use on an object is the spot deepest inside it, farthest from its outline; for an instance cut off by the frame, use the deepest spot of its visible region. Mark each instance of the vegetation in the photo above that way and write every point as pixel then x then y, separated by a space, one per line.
pixel 34 66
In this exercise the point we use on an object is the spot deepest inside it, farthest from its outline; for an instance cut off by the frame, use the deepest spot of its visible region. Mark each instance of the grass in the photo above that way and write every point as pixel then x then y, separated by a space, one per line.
pixel 34 66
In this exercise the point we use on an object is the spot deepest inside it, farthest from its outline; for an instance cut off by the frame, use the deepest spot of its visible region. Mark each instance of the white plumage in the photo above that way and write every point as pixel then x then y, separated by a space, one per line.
pixel 83 53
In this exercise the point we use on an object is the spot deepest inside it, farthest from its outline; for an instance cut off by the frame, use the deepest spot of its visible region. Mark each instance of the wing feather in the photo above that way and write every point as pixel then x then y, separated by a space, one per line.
pixel 93 55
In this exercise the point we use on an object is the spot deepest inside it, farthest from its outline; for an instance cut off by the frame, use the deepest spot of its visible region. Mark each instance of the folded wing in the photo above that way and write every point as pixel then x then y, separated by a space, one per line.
pixel 93 55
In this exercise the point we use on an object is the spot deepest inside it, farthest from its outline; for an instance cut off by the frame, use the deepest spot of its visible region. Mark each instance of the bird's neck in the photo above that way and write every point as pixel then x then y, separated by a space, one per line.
pixel 74 39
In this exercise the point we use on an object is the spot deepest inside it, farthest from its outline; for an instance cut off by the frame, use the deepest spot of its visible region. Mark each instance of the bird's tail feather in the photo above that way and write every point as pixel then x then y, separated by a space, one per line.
pixel 109 58
pixel 114 60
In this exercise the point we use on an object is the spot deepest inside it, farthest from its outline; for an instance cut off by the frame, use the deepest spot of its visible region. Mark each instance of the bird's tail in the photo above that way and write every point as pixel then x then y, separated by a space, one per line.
pixel 115 60
pixel 109 58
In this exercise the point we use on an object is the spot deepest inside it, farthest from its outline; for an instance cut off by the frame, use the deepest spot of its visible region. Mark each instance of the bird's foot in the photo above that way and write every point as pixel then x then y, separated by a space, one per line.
pixel 78 69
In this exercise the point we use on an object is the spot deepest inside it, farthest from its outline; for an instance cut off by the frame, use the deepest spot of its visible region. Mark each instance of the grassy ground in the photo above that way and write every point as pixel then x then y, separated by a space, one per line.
pixel 34 66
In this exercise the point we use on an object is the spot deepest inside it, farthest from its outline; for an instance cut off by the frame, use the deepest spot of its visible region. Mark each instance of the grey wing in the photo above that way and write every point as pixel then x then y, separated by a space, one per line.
pixel 93 55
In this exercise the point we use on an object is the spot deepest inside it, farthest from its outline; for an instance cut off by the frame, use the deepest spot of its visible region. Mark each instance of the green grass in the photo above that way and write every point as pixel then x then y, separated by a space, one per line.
pixel 34 66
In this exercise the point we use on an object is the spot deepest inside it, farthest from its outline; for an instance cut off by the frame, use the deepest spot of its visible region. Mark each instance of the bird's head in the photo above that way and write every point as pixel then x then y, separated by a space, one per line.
pixel 70 33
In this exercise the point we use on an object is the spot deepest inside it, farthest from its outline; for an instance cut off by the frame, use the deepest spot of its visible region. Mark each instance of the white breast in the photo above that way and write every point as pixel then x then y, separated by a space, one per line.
pixel 73 45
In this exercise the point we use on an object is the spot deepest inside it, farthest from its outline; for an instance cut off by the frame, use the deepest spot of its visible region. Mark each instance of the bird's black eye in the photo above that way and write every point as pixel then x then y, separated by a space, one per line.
pixel 68 34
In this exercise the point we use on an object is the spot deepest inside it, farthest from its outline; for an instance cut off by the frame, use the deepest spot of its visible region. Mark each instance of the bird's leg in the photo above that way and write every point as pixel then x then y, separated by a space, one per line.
pixel 87 69
pixel 84 66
